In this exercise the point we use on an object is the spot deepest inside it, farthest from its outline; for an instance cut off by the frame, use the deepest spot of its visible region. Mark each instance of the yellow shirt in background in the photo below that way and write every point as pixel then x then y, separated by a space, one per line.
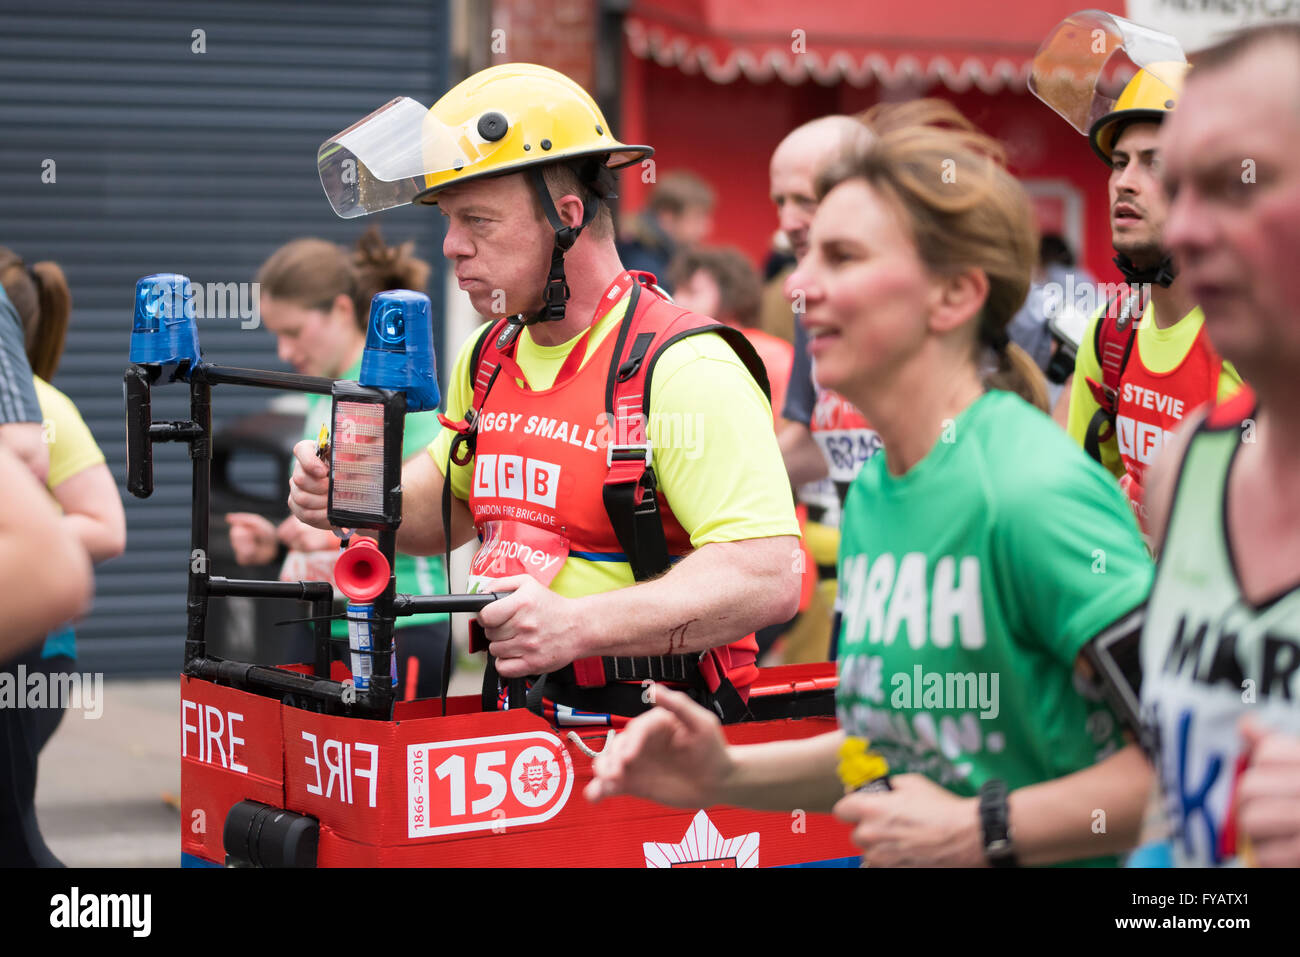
pixel 1160 350
pixel 72 448
pixel 727 484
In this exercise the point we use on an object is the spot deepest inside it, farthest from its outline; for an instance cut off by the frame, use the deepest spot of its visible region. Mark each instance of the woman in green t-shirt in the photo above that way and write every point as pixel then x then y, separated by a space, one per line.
pixel 315 298
pixel 981 551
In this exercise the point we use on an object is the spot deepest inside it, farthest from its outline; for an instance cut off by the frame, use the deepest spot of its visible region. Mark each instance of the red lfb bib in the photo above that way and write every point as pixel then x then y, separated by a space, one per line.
pixel 1150 405
pixel 541 459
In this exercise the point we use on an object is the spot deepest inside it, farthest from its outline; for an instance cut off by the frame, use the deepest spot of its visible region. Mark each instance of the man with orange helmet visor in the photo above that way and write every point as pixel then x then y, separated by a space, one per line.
pixel 1144 362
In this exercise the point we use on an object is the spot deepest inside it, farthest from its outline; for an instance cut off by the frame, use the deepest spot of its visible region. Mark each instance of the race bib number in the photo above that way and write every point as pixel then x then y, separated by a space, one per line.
pixel 517 548
pixel 846 450
pixel 845 438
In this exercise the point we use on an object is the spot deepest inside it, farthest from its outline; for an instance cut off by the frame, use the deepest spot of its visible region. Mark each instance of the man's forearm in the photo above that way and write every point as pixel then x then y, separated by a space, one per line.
pixel 717 594
pixel 1090 813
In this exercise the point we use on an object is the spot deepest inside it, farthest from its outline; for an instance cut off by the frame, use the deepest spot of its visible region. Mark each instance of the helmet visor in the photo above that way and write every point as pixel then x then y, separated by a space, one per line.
pixel 1084 64
pixel 382 161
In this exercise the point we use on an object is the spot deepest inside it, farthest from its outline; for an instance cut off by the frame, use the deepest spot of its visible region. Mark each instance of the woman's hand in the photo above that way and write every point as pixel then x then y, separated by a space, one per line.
pixel 917 824
pixel 252 537
pixel 674 754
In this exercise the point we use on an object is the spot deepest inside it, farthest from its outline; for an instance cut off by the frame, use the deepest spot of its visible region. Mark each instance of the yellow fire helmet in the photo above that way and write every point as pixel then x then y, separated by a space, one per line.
pixel 532 115
pixel 516 117
pixel 1149 96
pixel 505 118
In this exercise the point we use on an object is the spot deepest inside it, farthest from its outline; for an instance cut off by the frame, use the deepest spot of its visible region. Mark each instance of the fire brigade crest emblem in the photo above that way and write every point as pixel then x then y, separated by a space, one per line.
pixel 704 846
pixel 535 777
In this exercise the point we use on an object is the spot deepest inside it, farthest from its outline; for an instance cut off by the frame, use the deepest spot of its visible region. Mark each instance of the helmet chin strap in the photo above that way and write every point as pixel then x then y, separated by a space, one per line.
pixel 1162 274
pixel 556 293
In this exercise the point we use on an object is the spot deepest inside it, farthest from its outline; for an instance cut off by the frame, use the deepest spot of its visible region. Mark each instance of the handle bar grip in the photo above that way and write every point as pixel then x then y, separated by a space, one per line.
pixel 139 445
pixel 451 604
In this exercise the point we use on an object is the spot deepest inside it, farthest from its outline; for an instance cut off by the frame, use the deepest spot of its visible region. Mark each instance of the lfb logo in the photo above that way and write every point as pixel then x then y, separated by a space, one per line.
pixel 486 783
pixel 1140 441
pixel 513 476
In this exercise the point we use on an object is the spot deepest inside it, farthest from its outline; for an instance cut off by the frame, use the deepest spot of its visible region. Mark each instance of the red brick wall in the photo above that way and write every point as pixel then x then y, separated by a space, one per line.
pixel 560 34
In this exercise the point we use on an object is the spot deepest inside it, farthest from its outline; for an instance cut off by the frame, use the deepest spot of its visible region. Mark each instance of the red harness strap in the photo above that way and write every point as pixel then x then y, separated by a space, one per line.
pixel 630 490
pixel 1113 343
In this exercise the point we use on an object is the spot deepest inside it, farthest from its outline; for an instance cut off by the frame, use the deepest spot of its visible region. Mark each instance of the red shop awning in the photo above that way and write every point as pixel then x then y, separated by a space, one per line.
pixel 986 44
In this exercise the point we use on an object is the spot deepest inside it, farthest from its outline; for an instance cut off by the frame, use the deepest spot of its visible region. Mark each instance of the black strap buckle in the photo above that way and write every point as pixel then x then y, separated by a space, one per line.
pixel 556 292
pixel 630 452
pixel 648 505
pixel 566 236
pixel 463 443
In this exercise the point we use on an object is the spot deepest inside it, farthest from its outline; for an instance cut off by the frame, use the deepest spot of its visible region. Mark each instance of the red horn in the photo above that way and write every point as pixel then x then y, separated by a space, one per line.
pixel 362 572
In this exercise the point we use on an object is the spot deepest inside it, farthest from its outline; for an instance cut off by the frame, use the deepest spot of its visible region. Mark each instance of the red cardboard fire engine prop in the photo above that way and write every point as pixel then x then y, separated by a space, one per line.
pixel 312 765
pixel 471 789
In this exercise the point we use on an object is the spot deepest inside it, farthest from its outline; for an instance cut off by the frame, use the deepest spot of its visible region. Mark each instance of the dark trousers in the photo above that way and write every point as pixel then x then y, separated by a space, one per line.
pixel 23 732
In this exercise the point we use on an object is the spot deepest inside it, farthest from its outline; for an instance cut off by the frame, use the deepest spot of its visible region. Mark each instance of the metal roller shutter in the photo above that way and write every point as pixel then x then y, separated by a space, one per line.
pixel 171 160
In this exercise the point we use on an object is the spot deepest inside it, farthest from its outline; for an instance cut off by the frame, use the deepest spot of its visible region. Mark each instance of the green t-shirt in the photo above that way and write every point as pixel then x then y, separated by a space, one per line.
pixel 416 574
pixel 970 584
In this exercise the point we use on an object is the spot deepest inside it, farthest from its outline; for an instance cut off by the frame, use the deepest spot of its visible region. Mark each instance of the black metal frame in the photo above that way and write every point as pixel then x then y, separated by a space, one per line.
pixel 317 688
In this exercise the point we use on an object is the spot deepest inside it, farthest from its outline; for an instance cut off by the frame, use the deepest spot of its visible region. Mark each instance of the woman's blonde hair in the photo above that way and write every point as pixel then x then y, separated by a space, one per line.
pixel 962 209
pixel 312 273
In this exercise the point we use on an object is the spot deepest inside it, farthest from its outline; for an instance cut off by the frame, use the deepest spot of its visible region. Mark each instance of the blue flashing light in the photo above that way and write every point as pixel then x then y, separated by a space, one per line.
pixel 399 348
pixel 163 331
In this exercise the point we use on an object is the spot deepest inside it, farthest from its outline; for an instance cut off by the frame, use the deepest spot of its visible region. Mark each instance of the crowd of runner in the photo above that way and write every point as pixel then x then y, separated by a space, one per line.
pixel 888 491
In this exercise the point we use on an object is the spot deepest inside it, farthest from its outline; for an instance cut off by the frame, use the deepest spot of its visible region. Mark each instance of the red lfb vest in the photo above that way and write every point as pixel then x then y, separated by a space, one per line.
pixel 1150 405
pixel 542 457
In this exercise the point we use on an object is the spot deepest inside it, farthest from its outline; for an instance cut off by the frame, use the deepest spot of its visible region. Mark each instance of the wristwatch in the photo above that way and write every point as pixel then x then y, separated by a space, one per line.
pixel 994 825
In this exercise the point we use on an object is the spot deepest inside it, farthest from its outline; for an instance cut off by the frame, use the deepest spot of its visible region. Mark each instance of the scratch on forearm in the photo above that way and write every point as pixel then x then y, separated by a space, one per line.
pixel 677 637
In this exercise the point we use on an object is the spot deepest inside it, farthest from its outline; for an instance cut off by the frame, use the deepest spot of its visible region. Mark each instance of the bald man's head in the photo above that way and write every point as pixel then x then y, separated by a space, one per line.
pixel 795 164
